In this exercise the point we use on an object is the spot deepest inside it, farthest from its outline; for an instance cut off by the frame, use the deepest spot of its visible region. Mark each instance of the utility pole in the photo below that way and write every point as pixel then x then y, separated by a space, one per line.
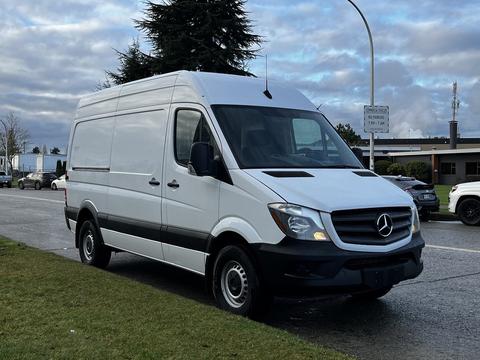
pixel 372 82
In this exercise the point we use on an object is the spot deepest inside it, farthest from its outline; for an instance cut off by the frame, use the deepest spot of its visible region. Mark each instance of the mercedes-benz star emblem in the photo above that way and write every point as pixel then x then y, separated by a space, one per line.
pixel 384 225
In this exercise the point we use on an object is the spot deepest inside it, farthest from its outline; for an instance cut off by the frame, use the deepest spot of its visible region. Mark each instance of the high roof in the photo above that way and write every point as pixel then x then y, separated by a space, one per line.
pixel 191 86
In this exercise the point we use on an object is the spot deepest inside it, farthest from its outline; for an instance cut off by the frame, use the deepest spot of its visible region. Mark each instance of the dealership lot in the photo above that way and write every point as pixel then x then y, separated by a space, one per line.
pixel 435 316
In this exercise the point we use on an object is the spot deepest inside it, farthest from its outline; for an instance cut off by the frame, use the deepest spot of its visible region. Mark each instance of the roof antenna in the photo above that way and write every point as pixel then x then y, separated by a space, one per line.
pixel 266 92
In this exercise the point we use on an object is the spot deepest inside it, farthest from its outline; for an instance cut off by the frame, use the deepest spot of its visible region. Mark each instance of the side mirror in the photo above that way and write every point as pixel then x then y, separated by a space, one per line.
pixel 358 153
pixel 201 160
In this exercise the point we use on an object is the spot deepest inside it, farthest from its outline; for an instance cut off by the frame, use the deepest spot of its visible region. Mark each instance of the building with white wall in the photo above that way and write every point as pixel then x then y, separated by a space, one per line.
pixel 31 162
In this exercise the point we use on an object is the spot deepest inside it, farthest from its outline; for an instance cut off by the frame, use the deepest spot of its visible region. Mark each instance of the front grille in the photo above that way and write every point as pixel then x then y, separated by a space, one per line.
pixel 359 226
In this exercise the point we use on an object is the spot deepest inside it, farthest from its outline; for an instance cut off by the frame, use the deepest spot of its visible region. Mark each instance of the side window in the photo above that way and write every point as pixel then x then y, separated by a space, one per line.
pixel 190 127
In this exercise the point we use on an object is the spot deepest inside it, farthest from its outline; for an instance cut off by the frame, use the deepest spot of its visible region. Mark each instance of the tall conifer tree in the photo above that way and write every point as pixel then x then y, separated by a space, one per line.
pixel 203 35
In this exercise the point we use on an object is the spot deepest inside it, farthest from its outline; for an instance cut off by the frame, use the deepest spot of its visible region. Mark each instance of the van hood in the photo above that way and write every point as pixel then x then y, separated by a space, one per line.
pixel 332 189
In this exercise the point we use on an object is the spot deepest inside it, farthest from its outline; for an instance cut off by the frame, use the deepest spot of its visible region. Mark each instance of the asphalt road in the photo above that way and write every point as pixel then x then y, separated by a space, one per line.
pixel 435 316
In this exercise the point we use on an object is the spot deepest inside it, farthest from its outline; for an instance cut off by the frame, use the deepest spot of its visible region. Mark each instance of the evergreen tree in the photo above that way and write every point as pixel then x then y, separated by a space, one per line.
pixel 197 35
pixel 59 170
pixel 134 65
pixel 348 134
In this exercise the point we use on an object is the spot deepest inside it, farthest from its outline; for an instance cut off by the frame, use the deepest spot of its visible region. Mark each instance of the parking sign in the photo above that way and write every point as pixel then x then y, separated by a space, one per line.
pixel 376 119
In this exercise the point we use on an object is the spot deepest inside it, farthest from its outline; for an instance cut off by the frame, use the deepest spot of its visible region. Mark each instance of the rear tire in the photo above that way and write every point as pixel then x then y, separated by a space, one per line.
pixel 38 186
pixel 370 295
pixel 92 250
pixel 469 211
pixel 237 287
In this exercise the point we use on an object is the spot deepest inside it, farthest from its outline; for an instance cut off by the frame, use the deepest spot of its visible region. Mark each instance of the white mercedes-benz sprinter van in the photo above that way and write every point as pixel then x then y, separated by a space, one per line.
pixel 252 189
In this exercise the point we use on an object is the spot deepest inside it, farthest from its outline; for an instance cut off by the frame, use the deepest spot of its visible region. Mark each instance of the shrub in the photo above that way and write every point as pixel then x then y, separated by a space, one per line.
pixel 381 166
pixel 419 170
pixel 396 169
pixel 59 170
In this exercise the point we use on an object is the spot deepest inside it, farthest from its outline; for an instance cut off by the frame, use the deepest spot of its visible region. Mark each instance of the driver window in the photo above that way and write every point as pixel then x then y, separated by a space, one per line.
pixel 190 127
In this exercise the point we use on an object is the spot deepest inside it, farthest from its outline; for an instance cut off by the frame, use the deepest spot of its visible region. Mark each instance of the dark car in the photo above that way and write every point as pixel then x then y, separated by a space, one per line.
pixel 423 194
pixel 36 180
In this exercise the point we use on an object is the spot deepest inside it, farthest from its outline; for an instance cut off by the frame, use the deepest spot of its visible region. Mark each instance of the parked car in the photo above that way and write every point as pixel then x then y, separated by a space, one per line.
pixel 464 200
pixel 36 180
pixel 250 188
pixel 423 194
pixel 59 183
pixel 5 179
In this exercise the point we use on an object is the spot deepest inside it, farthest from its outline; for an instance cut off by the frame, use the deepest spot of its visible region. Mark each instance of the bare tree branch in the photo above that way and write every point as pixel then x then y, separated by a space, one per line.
pixel 13 136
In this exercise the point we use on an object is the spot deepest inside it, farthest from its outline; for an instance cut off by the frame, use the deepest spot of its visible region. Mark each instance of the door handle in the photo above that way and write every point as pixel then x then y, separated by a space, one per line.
pixel 154 181
pixel 173 184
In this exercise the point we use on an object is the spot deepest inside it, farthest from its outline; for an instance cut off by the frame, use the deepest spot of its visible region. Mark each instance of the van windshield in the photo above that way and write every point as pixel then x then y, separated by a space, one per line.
pixel 265 137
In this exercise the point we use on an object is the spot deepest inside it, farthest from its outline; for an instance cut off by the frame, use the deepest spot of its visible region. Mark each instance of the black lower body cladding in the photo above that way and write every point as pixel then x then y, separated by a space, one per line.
pixel 295 267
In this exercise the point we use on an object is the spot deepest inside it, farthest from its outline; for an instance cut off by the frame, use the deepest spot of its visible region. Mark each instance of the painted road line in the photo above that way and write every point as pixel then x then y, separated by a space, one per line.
pixel 33 198
pixel 452 249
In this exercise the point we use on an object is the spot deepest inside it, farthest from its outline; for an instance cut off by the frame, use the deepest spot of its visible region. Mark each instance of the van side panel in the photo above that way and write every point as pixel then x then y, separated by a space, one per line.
pixel 90 162
pixel 137 155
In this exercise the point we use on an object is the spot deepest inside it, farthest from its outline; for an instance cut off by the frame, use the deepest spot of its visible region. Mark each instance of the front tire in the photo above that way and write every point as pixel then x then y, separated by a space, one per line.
pixel 237 287
pixel 21 186
pixel 9 185
pixel 54 187
pixel 92 250
pixel 469 211
pixel 38 186
pixel 370 295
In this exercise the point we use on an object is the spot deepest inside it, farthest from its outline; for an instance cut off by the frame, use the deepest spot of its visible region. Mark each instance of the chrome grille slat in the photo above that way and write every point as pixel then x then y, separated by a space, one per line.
pixel 359 226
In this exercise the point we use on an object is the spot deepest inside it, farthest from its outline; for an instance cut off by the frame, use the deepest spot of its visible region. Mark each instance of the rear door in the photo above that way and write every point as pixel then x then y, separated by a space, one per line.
pixel 190 202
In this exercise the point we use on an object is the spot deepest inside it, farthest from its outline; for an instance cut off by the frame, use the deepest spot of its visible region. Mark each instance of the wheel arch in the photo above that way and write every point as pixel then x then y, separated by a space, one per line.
pixel 217 243
pixel 463 198
pixel 87 211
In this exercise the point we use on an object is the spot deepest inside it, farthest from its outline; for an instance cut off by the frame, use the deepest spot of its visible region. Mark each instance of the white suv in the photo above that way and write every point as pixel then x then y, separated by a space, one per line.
pixel 464 200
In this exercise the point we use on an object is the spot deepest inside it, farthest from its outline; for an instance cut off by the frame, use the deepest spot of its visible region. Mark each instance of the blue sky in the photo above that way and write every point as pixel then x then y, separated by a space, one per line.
pixel 54 52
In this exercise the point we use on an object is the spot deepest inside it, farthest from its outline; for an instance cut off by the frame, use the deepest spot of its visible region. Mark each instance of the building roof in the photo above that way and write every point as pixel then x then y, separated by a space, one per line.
pixel 416 141
pixel 436 152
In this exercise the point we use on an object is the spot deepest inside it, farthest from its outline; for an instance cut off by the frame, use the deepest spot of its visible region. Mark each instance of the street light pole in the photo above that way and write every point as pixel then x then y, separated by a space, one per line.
pixel 372 81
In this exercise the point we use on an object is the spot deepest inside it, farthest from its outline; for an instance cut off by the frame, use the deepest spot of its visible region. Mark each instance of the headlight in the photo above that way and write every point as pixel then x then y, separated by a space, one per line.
pixel 416 222
pixel 298 222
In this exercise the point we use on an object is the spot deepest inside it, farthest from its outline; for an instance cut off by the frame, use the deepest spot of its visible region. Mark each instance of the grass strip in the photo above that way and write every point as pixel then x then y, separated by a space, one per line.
pixel 442 192
pixel 55 308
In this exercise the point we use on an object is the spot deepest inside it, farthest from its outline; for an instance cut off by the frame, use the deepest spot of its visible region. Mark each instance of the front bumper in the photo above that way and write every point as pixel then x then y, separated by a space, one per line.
pixel 295 267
